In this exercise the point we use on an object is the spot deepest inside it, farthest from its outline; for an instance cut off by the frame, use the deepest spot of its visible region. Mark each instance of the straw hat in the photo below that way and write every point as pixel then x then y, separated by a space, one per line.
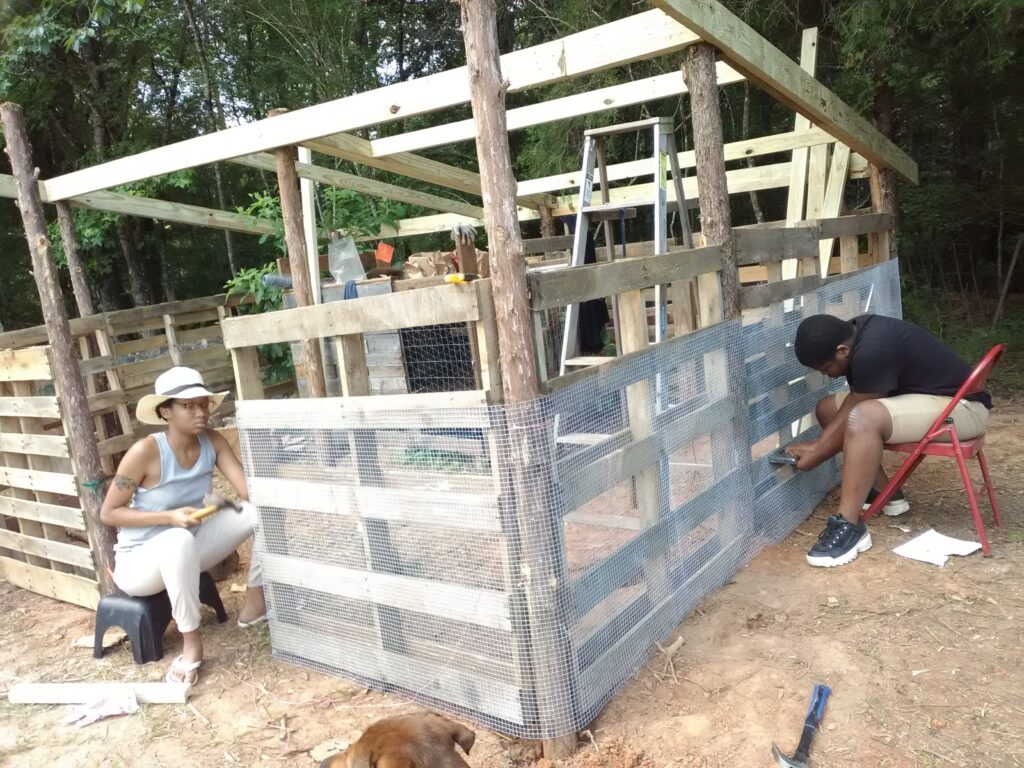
pixel 179 383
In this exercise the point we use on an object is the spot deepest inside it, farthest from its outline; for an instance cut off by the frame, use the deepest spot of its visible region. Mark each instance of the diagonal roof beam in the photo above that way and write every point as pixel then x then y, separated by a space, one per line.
pixel 766 65
pixel 163 210
pixel 266 162
pixel 591 102
pixel 643 36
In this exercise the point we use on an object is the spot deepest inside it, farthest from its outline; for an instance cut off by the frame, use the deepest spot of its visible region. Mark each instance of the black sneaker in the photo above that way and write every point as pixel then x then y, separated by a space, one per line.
pixel 897 505
pixel 839 543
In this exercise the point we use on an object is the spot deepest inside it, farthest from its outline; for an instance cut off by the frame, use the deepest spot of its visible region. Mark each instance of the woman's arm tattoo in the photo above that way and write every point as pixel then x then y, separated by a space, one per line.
pixel 125 483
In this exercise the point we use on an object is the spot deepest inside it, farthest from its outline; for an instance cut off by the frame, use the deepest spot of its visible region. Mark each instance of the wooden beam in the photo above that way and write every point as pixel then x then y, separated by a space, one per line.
pixel 767 66
pixel 161 210
pixel 620 42
pixel 737 150
pixel 796 201
pixel 573 285
pixel 833 202
pixel 579 104
pixel 715 216
pixel 266 162
pixel 310 364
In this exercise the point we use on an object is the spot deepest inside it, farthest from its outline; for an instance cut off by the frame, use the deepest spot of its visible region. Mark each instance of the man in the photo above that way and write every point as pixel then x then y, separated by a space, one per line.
pixel 900 379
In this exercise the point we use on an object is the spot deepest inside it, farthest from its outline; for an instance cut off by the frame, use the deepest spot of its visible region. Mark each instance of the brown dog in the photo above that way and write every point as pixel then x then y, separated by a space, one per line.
pixel 407 741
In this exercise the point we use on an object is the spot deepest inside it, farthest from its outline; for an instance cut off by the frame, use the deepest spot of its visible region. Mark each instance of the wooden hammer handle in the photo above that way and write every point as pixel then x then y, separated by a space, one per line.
pixel 206 511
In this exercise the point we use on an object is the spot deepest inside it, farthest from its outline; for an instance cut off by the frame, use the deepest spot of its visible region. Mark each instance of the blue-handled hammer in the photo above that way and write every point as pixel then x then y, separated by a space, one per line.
pixel 811 723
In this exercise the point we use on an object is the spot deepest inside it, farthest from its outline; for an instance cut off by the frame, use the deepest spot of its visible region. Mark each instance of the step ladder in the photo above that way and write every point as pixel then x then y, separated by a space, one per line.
pixel 664 158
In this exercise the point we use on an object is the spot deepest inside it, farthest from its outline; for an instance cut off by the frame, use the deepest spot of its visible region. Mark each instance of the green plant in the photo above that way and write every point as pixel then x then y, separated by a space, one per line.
pixel 249 282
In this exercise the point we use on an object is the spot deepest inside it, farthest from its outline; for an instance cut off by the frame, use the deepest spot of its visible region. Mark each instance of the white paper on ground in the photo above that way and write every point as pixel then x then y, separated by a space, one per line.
pixel 933 547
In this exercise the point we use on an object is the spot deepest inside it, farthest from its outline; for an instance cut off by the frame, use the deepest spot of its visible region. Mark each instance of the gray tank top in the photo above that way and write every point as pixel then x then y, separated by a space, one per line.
pixel 178 487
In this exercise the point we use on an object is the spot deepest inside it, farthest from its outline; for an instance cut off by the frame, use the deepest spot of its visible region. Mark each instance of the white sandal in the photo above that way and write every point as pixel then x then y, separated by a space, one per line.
pixel 254 622
pixel 187 671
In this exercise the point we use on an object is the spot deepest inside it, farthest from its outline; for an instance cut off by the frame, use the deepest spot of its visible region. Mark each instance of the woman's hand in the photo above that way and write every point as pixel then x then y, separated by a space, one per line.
pixel 181 517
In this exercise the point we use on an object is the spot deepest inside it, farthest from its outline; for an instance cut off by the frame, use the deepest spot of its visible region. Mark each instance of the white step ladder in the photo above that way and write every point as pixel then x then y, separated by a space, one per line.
pixel 664 158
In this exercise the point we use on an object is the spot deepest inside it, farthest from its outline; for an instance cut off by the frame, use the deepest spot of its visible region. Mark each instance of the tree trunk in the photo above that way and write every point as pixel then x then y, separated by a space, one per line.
pixel 883 181
pixel 295 240
pixel 83 296
pixel 70 389
pixel 137 283
pixel 544 639
pixel 214 121
pixel 755 199
pixel 715 216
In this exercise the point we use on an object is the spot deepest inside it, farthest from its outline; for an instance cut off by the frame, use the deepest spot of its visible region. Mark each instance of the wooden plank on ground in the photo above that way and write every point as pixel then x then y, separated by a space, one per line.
pixel 766 65
pixel 557 288
pixel 83 693
pixel 68 587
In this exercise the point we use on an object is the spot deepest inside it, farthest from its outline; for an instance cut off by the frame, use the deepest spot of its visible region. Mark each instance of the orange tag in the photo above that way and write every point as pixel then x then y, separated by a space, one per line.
pixel 385 253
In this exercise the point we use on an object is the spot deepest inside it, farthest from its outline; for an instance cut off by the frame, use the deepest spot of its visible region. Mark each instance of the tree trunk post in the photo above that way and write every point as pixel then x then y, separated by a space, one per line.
pixel 67 379
pixel 550 674
pixel 83 296
pixel 715 216
pixel 312 365
pixel 883 200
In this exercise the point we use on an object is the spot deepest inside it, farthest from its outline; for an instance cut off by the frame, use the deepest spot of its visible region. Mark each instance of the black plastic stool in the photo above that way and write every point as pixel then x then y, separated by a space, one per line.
pixel 145 619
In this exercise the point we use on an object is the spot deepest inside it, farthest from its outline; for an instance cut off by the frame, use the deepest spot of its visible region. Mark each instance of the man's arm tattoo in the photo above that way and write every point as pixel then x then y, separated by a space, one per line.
pixel 125 483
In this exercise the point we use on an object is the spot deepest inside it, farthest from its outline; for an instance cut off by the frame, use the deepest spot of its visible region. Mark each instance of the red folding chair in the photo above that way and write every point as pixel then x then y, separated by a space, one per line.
pixel 961 450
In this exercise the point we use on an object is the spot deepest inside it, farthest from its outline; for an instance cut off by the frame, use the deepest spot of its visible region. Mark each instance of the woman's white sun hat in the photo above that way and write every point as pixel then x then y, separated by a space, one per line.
pixel 179 383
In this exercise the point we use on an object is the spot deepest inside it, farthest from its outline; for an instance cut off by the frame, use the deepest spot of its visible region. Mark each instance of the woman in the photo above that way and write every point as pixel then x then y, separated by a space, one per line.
pixel 161 481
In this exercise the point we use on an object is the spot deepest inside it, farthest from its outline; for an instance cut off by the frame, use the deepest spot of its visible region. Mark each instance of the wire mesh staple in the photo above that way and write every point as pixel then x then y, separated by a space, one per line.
pixel 514 565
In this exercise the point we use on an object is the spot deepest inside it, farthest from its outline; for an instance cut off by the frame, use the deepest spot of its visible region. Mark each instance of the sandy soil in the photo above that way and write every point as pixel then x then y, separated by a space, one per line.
pixel 924 664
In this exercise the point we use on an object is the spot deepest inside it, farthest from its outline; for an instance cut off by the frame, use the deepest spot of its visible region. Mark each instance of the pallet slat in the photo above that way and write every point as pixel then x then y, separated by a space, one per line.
pixel 67 587
pixel 51 514
pixel 51 550
pixel 36 480
pixel 30 407
pixel 34 445
pixel 30 364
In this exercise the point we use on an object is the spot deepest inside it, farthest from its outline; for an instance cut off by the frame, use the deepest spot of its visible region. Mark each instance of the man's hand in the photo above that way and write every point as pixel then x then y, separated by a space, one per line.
pixel 805 455
pixel 181 517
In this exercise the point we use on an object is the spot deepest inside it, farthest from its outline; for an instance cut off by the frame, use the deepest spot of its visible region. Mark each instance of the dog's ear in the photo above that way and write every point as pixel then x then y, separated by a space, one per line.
pixel 464 737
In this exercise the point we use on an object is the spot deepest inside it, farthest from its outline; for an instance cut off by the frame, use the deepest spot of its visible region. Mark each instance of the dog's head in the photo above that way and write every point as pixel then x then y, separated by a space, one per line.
pixel 407 741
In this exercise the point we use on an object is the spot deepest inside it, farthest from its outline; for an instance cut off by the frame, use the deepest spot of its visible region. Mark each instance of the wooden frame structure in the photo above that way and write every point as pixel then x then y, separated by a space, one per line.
pixel 830 144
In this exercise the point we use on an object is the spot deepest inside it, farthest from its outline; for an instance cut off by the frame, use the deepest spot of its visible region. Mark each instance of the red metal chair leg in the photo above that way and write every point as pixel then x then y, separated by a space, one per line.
pixel 895 483
pixel 972 498
pixel 990 489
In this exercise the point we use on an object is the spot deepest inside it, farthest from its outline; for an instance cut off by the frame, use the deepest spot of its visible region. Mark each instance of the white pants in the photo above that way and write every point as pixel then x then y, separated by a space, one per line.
pixel 173 560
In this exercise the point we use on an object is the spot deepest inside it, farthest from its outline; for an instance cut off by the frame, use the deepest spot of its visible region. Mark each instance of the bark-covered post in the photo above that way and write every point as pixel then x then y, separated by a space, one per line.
pixel 883 200
pixel 551 673
pixel 715 217
pixel 311 361
pixel 83 296
pixel 67 379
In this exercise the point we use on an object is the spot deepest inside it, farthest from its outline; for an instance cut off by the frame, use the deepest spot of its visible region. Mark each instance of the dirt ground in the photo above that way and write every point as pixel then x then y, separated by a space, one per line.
pixel 924 664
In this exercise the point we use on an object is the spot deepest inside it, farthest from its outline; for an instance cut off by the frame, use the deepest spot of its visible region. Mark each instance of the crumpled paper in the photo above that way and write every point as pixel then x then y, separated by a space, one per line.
pixel 81 715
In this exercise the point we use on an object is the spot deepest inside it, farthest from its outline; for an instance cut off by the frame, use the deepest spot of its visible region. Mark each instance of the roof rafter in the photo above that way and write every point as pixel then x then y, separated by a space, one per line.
pixel 766 65
pixel 642 36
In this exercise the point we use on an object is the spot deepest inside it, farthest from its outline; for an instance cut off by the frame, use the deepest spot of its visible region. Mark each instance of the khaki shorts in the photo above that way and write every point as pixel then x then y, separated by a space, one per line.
pixel 913 415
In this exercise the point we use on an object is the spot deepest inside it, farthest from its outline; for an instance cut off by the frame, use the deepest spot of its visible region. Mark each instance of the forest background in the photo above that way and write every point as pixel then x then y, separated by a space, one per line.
pixel 103 79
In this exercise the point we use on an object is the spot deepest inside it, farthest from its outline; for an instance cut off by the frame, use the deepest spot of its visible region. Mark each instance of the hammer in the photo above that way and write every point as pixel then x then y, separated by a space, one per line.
pixel 215 504
pixel 811 723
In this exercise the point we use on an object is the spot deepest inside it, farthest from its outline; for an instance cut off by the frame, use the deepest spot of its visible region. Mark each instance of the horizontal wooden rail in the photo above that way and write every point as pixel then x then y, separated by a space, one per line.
pixel 410 309
pixel 571 285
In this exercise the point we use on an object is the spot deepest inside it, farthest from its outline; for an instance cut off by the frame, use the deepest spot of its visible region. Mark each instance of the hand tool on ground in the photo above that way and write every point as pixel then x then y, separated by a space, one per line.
pixel 811 723
pixel 215 504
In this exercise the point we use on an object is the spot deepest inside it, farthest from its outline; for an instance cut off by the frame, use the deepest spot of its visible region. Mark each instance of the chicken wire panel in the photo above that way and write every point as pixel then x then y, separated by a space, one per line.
pixel 515 565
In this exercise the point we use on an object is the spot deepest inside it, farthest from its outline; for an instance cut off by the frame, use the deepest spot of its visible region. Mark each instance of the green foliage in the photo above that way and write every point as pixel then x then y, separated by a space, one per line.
pixel 357 214
pixel 249 282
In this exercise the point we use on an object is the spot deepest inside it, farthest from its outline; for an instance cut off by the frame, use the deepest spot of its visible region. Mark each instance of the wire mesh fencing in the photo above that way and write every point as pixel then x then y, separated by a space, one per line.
pixel 515 565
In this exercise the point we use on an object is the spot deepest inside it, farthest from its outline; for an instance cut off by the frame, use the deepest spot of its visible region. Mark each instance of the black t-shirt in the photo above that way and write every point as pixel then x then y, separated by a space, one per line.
pixel 892 357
